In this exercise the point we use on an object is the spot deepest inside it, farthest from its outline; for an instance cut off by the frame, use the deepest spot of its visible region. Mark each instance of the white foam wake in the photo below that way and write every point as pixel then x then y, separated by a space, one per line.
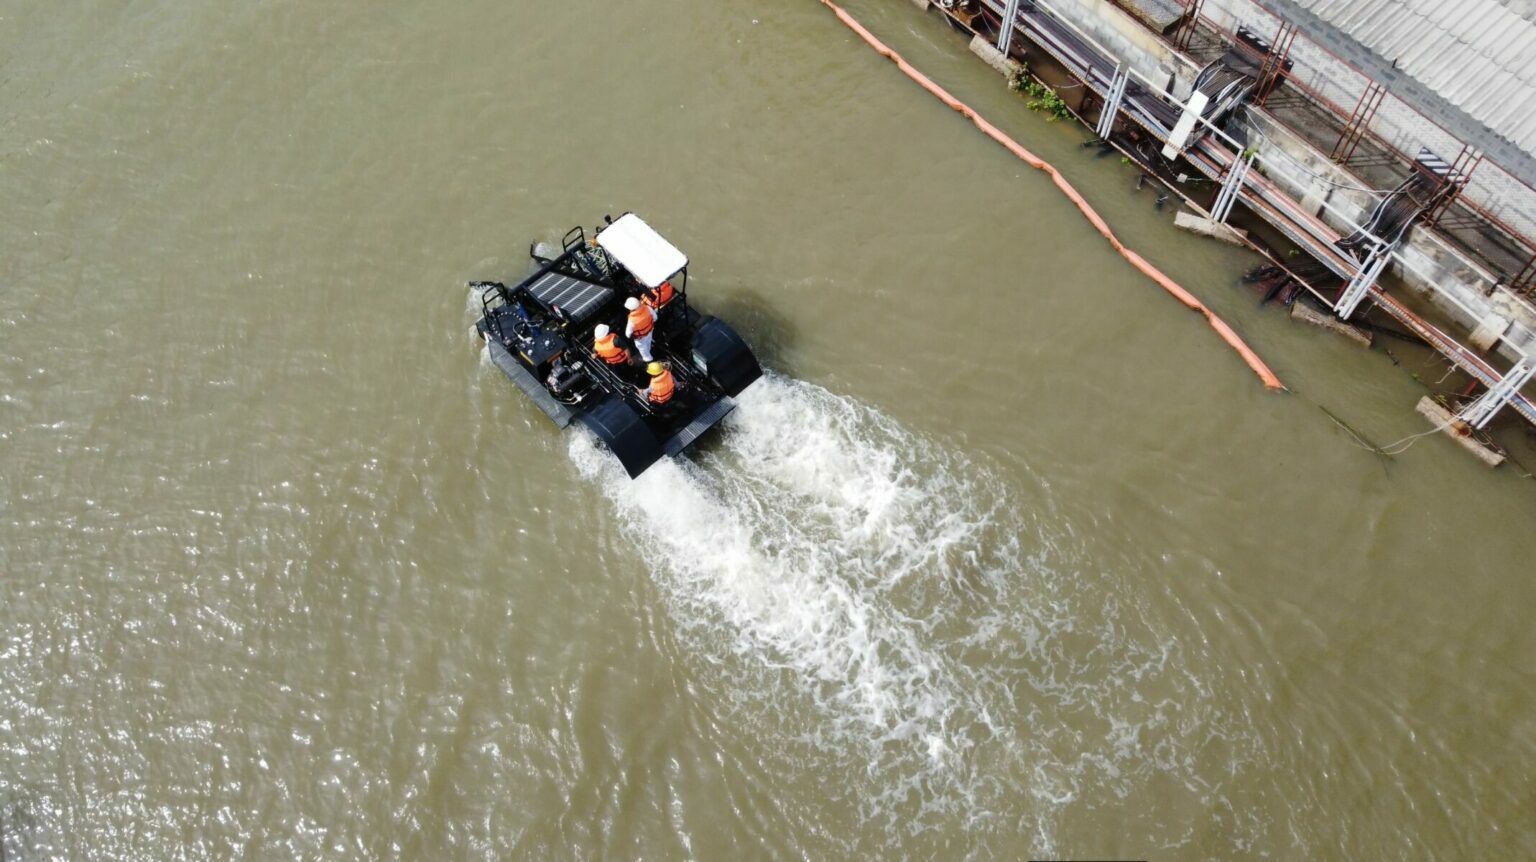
pixel 918 608
pixel 798 531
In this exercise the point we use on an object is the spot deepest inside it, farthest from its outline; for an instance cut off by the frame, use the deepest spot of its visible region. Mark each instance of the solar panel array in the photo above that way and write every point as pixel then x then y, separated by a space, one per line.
pixel 576 297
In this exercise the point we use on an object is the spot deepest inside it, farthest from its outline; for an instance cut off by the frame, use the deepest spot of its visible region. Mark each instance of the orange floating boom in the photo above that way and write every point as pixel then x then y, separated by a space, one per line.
pixel 1222 329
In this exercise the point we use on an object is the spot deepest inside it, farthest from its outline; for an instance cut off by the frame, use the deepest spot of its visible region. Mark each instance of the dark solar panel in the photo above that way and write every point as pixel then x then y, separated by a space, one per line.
pixel 578 298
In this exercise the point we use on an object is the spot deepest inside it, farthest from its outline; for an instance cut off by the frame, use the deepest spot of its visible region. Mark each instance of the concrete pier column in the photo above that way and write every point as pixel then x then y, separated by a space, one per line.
pixel 1488 331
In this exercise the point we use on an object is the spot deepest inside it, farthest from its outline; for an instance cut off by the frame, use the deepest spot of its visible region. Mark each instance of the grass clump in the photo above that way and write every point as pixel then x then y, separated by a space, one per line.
pixel 1041 97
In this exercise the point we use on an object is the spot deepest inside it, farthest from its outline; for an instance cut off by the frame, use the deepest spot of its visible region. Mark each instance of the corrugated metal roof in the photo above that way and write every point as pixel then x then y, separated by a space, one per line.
pixel 1480 55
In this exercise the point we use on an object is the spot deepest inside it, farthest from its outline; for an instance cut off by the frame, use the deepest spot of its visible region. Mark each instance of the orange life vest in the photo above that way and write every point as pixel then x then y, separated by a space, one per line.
pixel 662 387
pixel 659 297
pixel 610 352
pixel 641 320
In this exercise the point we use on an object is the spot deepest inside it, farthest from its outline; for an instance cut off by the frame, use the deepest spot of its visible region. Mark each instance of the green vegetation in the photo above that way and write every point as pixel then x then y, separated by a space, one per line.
pixel 1041 97
pixel 1250 153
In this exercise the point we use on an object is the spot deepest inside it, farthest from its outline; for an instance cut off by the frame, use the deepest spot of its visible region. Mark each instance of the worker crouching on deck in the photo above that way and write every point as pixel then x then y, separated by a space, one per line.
pixel 605 345
pixel 662 384
pixel 640 326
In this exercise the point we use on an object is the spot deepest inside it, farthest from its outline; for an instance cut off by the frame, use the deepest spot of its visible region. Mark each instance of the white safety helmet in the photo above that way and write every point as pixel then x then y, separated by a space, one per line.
pixel 601 331
pixel 632 303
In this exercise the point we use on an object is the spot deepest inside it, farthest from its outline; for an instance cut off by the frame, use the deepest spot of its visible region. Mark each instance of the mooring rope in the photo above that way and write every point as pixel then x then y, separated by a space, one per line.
pixel 1034 161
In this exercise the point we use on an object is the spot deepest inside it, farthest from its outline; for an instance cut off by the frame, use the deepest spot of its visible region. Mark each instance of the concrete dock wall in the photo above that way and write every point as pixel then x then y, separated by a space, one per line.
pixel 1452 282
pixel 1327 71
pixel 1131 41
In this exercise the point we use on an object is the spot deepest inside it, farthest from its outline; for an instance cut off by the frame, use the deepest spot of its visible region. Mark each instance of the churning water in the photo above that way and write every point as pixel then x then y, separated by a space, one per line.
pixel 920 606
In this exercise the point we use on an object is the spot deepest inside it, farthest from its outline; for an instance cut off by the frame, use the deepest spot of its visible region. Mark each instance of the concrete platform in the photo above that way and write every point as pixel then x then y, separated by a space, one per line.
pixel 1457 430
pixel 1205 227
pixel 1307 314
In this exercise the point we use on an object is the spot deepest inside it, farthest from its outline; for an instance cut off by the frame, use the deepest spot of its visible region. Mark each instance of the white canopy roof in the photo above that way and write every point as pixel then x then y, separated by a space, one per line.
pixel 641 250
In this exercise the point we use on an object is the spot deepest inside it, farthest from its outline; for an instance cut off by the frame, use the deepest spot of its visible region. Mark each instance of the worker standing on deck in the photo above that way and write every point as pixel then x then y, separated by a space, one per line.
pixel 662 384
pixel 657 297
pixel 605 345
pixel 640 327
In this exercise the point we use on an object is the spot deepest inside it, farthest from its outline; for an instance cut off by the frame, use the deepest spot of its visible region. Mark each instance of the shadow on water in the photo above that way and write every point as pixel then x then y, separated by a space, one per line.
pixel 765 328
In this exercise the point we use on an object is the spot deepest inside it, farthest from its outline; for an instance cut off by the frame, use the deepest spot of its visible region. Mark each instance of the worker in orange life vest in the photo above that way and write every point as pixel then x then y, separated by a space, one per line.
pixel 657 297
pixel 662 384
pixel 640 327
pixel 605 345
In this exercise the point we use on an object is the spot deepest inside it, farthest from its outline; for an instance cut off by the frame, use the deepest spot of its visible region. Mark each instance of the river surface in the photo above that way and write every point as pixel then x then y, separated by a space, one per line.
pixel 1007 556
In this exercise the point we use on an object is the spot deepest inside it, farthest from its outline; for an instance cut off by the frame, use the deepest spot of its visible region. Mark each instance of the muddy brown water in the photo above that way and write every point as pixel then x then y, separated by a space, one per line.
pixel 1008 556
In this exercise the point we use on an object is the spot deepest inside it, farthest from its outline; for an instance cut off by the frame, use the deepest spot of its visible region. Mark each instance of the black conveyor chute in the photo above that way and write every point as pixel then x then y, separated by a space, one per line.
pixel 625 434
pixel 1430 181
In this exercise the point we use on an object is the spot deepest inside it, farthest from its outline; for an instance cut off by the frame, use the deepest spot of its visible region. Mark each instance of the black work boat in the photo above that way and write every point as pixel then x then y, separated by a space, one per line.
pixel 540 332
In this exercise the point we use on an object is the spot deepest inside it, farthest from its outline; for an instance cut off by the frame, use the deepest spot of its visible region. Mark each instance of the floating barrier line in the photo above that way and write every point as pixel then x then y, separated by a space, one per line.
pixel 1222 329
